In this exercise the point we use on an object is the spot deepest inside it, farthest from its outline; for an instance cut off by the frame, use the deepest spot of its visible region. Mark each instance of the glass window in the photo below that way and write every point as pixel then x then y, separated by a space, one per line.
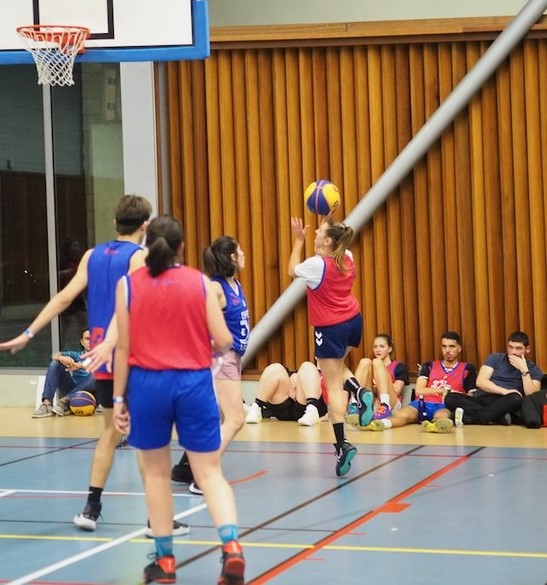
pixel 88 179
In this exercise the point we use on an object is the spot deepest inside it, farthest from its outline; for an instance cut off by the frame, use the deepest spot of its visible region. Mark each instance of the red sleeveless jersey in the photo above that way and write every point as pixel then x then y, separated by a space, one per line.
pixel 452 380
pixel 168 322
pixel 332 302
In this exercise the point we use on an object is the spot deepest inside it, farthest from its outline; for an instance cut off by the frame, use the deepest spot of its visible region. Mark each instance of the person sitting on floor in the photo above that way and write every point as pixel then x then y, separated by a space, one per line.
pixel 435 380
pixel 290 396
pixel 386 376
pixel 503 382
pixel 67 374
pixel 282 394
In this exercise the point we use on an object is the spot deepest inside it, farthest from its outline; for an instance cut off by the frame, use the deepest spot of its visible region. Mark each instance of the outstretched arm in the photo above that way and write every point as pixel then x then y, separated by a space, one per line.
pixel 54 307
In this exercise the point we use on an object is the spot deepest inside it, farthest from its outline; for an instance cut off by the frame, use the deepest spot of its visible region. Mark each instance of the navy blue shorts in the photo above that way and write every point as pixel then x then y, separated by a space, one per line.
pixel 332 341
pixel 157 400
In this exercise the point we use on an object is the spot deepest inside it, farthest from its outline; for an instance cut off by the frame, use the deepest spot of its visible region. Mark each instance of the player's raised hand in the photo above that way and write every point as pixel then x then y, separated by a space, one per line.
pixel 298 228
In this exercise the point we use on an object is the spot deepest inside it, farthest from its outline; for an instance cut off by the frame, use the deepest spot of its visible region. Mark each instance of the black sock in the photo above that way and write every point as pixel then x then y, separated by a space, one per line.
pixel 261 403
pixel 94 496
pixel 339 434
pixel 313 401
pixel 351 385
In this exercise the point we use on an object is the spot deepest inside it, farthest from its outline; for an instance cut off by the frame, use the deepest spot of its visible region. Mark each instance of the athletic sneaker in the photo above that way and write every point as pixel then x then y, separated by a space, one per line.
pixel 161 570
pixel 254 415
pixel 87 520
pixel 382 411
pixel 62 407
pixel 194 488
pixel 233 564
pixel 352 416
pixel 123 442
pixel 310 416
pixel 42 411
pixel 179 529
pixel 182 473
pixel 458 417
pixel 365 402
pixel 99 409
pixel 375 425
pixel 345 454
pixel 441 425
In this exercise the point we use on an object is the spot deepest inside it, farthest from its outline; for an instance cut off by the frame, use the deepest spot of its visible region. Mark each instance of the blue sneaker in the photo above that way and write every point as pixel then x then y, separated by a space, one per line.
pixel 345 454
pixel 365 403
pixel 352 416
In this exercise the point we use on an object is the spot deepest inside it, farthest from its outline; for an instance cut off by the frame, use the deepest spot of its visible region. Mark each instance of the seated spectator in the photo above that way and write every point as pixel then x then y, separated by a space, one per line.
pixel 435 380
pixel 503 381
pixel 291 396
pixel 67 374
pixel 386 376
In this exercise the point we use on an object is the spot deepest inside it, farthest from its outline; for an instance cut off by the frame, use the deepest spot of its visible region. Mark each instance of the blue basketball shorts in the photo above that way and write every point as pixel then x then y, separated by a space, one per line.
pixel 332 341
pixel 430 407
pixel 161 399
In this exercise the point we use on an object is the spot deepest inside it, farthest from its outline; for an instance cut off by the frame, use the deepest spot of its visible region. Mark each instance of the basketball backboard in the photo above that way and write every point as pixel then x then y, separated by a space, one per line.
pixel 121 30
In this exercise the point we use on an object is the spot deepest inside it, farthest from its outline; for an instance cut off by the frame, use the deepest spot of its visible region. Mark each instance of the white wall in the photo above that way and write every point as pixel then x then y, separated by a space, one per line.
pixel 251 12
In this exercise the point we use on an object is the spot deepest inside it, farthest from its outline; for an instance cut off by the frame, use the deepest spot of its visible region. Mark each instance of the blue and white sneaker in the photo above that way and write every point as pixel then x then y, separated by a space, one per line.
pixel 365 403
pixel 346 452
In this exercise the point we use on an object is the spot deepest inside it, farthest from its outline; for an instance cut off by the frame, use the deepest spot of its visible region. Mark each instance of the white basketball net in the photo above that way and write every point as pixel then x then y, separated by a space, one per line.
pixel 54 49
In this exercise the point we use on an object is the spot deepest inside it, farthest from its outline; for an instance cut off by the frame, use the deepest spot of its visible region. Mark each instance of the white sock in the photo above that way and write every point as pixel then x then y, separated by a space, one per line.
pixel 386 422
pixel 384 398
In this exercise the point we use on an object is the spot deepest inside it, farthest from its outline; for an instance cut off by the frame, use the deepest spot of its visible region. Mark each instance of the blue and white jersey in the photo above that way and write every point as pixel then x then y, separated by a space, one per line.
pixel 236 314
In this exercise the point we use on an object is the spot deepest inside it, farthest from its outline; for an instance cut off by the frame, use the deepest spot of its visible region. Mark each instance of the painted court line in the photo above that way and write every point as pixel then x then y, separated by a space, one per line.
pixel 389 506
pixel 113 543
pixel 12 491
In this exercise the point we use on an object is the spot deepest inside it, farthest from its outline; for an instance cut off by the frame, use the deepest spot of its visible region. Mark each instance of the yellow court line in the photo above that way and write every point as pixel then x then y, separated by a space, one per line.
pixel 280 545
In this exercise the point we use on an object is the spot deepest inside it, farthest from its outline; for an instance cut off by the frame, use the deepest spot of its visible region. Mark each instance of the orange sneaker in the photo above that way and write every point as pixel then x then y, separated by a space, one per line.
pixel 233 564
pixel 162 570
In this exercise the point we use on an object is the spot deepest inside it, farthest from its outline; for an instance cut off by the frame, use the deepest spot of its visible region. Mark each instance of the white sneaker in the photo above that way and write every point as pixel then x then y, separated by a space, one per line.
pixel 310 417
pixel 254 415
pixel 42 411
pixel 458 417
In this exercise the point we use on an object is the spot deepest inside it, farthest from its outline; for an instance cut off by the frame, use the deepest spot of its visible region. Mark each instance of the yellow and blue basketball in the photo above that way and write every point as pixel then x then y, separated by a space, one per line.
pixel 322 197
pixel 83 403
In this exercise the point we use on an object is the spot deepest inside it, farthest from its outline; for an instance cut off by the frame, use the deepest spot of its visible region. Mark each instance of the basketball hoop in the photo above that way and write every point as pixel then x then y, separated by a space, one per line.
pixel 54 49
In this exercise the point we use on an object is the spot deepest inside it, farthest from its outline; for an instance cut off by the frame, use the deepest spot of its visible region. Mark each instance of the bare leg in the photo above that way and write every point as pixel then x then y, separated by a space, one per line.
pixel 333 371
pixel 363 372
pixel 230 399
pixel 274 385
pixel 308 384
pixel 383 382
pixel 155 467
pixel 217 492
pixel 103 456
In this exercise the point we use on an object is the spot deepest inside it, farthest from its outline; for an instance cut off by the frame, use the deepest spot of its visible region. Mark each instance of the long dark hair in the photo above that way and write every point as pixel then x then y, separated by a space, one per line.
pixel 164 236
pixel 218 260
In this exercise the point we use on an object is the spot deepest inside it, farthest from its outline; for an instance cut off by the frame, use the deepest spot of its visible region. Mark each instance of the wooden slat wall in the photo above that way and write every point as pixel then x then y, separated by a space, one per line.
pixel 459 245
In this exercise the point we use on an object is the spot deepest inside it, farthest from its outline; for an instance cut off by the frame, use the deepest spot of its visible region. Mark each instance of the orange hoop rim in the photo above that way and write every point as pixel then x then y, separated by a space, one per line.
pixel 64 33
pixel 33 29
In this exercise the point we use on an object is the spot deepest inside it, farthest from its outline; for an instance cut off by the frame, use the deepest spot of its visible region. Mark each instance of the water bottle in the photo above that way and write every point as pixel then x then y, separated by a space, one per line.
pixel 422 412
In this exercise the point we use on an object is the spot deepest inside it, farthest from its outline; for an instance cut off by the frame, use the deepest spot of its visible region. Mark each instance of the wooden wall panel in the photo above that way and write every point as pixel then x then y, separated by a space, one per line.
pixel 461 242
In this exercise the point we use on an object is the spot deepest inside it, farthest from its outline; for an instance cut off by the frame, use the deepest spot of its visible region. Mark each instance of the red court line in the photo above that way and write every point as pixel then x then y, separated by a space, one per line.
pixel 248 477
pixel 393 505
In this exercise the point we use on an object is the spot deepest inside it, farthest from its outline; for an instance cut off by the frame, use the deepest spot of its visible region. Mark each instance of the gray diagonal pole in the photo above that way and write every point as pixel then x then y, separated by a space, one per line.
pixel 408 157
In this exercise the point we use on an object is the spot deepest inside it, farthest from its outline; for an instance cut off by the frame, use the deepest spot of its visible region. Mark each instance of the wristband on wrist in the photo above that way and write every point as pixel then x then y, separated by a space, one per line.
pixel 118 399
pixel 525 373
pixel 28 333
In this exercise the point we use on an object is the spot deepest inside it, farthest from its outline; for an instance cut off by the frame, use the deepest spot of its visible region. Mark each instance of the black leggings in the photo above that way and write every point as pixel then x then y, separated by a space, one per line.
pixel 485 408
